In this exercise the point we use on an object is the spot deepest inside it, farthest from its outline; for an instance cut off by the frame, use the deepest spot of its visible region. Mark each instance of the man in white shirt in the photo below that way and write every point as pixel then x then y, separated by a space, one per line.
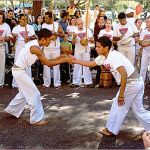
pixel 130 15
pixel 52 51
pixel 131 89
pixel 145 43
pixel 5 32
pixel 22 34
pixel 124 33
pixel 82 52
pixel 28 92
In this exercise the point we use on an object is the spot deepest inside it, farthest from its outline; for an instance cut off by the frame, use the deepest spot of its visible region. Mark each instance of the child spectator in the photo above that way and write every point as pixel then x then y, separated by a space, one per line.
pixel 66 49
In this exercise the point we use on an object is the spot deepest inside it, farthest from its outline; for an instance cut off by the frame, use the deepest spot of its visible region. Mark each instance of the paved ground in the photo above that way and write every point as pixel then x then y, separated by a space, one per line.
pixel 75 115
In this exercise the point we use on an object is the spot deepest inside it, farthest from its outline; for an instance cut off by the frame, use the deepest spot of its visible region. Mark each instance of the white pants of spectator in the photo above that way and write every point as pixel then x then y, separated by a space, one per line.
pixel 128 52
pixel 47 70
pixel 145 61
pixel 133 98
pixel 18 48
pixel 77 71
pixel 2 64
pixel 28 93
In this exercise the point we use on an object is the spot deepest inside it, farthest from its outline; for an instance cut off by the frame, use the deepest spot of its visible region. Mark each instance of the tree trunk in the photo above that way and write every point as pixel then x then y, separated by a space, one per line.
pixel 37 6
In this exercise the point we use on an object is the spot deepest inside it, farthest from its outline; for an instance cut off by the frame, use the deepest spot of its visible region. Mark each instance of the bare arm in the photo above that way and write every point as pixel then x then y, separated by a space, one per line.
pixel 85 63
pixel 50 63
pixel 60 32
pixel 117 38
pixel 123 74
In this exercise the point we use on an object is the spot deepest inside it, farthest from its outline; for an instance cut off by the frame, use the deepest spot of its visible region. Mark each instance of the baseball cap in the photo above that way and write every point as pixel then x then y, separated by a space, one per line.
pixel 129 10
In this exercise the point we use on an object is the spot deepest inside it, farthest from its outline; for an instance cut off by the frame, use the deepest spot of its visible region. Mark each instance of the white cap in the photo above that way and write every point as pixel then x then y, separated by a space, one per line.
pixel 129 10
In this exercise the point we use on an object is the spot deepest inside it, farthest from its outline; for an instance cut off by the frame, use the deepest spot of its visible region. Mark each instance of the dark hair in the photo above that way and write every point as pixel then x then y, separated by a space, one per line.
pixel 137 20
pixel 49 14
pixel 2 14
pixel 75 14
pixel 44 33
pixel 105 41
pixel 10 10
pixel 71 20
pixel 64 14
pixel 99 16
pixel 36 22
pixel 20 16
pixel 122 15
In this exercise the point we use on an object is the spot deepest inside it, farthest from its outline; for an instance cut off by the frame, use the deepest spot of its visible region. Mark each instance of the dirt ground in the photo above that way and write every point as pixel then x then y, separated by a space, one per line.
pixel 75 116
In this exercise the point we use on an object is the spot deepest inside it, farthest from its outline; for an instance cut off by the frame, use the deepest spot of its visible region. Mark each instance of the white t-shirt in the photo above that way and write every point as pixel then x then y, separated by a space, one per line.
pixel 105 33
pixel 82 34
pixel 115 60
pixel 131 20
pixel 5 30
pixel 145 35
pixel 128 30
pixel 21 32
pixel 25 58
pixel 53 28
pixel 71 29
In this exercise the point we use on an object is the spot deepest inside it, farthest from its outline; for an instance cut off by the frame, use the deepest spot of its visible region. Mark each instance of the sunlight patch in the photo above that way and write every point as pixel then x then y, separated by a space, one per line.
pixel 73 95
pixel 101 102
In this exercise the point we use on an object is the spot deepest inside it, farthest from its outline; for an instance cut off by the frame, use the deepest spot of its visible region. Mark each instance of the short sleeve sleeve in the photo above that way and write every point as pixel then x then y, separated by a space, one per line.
pixel 31 31
pixel 142 35
pixel 100 60
pixel 15 30
pixel 8 31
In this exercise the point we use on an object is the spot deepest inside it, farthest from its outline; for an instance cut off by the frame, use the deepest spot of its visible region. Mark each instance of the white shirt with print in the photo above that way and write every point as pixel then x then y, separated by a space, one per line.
pixel 80 35
pixel 115 60
pixel 105 33
pixel 53 28
pixel 22 32
pixel 71 29
pixel 5 30
pixel 128 30
pixel 145 35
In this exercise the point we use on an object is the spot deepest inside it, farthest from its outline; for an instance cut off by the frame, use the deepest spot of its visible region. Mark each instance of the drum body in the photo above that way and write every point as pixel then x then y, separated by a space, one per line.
pixel 105 79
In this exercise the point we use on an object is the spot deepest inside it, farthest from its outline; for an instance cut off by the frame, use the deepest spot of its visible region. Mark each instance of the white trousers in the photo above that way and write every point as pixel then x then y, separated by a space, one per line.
pixel 129 52
pixel 145 61
pixel 18 48
pixel 47 70
pixel 2 65
pixel 133 98
pixel 28 93
pixel 77 71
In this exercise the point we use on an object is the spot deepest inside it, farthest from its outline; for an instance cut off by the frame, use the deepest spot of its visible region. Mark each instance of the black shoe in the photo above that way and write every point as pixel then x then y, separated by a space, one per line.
pixel 90 85
pixel 74 85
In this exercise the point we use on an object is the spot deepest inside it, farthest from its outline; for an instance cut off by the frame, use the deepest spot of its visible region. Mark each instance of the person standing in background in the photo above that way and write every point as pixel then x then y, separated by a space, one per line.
pixel 22 34
pixel 5 33
pixel 38 24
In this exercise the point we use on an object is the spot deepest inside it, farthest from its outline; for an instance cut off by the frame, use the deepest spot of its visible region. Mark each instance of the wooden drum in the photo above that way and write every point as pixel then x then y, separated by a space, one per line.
pixel 105 79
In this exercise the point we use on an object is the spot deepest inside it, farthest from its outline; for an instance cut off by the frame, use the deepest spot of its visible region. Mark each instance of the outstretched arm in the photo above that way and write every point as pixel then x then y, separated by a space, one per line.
pixel 85 63
pixel 50 63
pixel 98 61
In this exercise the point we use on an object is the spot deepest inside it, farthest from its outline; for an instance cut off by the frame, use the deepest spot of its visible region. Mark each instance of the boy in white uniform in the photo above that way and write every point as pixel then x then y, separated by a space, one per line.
pixel 5 32
pixel 52 51
pixel 83 53
pixel 22 33
pixel 124 33
pixel 131 89
pixel 28 92
pixel 145 60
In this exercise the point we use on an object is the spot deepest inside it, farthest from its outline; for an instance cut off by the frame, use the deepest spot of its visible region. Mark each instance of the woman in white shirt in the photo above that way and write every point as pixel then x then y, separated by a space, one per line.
pixel 5 32
pixel 107 31
pixel 71 28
